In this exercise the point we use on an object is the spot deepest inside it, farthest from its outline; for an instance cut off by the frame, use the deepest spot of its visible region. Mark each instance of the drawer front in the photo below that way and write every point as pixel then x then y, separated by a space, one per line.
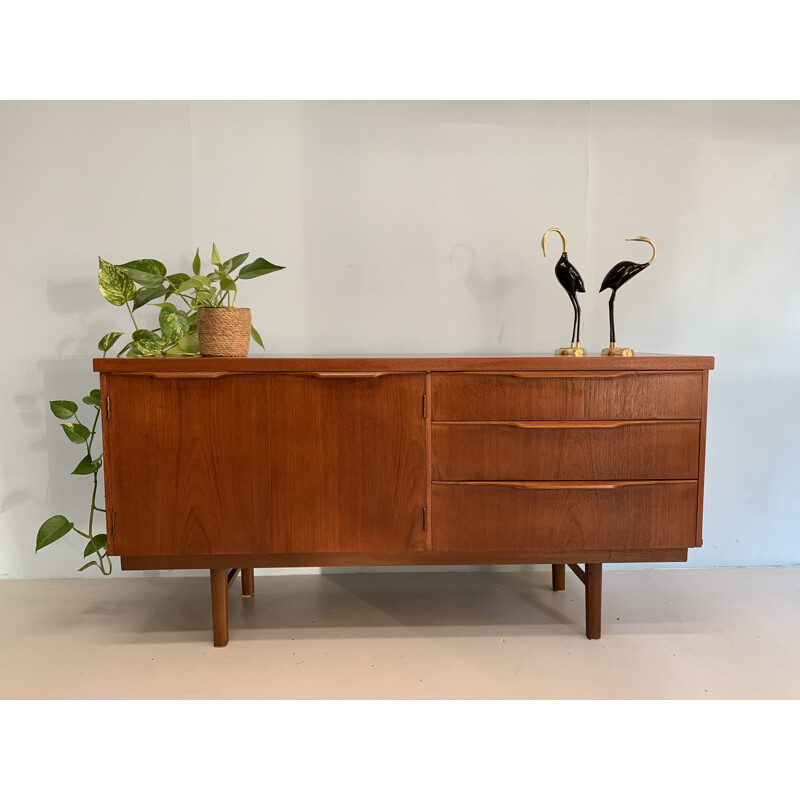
pixel 576 396
pixel 562 517
pixel 565 451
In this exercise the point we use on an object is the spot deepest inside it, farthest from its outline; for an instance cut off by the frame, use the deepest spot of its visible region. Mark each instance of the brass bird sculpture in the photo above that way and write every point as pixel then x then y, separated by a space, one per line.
pixel 569 277
pixel 616 277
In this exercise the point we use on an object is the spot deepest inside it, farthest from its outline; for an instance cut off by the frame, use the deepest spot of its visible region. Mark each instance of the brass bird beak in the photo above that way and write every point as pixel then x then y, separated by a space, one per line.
pixel 560 233
pixel 644 239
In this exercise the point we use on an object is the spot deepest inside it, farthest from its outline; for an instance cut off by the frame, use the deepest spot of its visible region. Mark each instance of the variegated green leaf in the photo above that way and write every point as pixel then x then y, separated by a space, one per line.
pixel 227 285
pixel 52 530
pixel 63 409
pixel 174 325
pixel 146 294
pixel 107 342
pixel 257 268
pixel 196 262
pixel 87 466
pixel 144 271
pixel 146 343
pixel 76 432
pixel 116 287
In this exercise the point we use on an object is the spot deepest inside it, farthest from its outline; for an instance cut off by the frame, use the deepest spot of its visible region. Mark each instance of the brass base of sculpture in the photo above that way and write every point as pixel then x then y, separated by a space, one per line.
pixel 574 349
pixel 613 350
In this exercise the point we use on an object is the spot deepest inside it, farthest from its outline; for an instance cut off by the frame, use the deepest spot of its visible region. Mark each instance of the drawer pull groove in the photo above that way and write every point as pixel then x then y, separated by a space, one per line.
pixel 345 374
pixel 558 485
pixel 182 375
pixel 556 423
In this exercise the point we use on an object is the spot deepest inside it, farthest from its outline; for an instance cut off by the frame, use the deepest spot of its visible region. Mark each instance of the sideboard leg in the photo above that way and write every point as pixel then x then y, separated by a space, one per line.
pixel 559 577
pixel 219 606
pixel 248 582
pixel 594 596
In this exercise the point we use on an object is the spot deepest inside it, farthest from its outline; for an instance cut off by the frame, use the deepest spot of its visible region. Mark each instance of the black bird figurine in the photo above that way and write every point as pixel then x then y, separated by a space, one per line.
pixel 617 276
pixel 571 280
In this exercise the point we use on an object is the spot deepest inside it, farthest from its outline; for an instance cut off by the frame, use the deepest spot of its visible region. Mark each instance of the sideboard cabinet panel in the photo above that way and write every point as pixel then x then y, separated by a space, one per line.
pixel 491 516
pixel 565 451
pixel 596 395
pixel 348 462
pixel 187 464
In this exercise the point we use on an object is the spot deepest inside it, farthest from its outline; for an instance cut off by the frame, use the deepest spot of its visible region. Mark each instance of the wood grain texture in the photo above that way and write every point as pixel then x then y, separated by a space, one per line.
pixel 248 582
pixel 701 465
pixel 559 577
pixel 108 464
pixel 421 558
pixel 529 396
pixel 557 516
pixel 348 463
pixel 329 461
pixel 187 465
pixel 401 363
pixel 428 463
pixel 546 451
pixel 219 606
pixel 594 600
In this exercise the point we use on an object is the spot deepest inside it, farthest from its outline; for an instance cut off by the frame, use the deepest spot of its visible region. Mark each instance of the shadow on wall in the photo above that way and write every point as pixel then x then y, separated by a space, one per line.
pixel 68 376
pixel 493 294
pixel 61 492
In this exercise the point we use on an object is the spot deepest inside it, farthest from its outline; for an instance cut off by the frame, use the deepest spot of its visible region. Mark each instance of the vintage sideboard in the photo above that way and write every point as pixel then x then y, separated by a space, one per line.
pixel 228 464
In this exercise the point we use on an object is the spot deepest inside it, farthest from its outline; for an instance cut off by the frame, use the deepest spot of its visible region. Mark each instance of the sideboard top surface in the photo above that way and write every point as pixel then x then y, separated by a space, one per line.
pixel 401 363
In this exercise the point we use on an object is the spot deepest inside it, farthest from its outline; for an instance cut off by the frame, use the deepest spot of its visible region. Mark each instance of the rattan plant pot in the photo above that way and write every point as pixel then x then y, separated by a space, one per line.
pixel 223 331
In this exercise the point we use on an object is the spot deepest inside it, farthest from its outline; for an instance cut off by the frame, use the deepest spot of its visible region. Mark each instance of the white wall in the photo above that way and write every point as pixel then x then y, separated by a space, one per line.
pixel 415 227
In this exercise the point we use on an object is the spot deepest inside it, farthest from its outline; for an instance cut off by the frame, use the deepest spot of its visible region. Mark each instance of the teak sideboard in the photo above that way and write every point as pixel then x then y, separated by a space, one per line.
pixel 228 464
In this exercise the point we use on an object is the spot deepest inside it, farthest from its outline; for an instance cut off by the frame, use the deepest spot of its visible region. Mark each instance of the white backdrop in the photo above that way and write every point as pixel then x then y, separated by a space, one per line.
pixel 414 227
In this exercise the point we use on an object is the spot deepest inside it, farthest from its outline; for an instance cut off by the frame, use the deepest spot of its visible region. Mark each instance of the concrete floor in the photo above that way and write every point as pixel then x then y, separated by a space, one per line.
pixel 672 633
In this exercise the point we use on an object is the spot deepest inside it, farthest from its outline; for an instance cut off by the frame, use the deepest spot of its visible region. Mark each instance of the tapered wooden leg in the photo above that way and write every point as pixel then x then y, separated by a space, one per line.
pixel 559 577
pixel 219 606
pixel 248 582
pixel 594 596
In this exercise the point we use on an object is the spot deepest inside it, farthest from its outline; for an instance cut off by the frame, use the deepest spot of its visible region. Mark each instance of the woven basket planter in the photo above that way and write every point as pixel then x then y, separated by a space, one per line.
pixel 223 331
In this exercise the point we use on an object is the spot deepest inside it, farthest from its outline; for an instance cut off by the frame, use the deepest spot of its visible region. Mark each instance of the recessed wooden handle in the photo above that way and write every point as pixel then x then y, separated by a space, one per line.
pixel 172 375
pixel 560 424
pixel 576 373
pixel 583 485
pixel 345 374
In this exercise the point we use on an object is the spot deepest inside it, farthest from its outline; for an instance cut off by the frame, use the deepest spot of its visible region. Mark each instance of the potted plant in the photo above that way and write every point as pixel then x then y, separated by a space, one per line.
pixel 178 333
pixel 223 328
pixel 212 324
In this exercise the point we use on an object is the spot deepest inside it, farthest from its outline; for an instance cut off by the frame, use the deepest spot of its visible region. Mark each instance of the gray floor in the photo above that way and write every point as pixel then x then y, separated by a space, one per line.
pixel 678 633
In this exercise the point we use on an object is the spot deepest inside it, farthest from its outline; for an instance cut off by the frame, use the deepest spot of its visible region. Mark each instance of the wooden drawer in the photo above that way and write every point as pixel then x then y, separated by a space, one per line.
pixel 574 396
pixel 565 451
pixel 496 516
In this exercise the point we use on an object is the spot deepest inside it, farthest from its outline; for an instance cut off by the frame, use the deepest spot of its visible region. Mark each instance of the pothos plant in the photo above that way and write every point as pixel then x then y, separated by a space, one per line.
pixel 175 335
